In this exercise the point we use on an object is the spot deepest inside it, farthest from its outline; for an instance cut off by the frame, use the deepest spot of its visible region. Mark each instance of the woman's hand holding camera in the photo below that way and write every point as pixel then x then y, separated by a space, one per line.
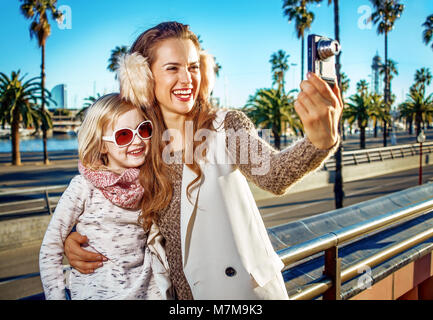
pixel 320 109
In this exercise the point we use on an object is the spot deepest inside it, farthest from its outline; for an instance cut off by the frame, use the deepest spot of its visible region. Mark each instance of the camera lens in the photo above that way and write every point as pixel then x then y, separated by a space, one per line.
pixel 327 48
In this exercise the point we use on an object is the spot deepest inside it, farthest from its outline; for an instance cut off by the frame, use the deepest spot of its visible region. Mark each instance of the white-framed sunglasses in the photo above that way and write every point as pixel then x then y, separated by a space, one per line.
pixel 124 137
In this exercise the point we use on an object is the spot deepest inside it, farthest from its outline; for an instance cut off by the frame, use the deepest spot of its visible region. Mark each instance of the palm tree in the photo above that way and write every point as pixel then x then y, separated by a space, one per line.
pixel 268 108
pixel 392 71
pixel 37 11
pixel 344 87
pixel 358 111
pixel 376 110
pixel 417 106
pixel 345 83
pixel 405 112
pixel 18 104
pixel 387 12
pixel 297 10
pixel 427 34
pixel 423 78
pixel 280 64
pixel 217 68
pixel 116 53
pixel 362 86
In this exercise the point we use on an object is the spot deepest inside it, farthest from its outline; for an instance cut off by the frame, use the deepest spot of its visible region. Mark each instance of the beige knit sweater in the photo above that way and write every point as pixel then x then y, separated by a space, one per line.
pixel 286 167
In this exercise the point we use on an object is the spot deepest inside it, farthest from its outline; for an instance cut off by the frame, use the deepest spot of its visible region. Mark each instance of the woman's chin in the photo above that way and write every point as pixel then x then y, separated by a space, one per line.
pixel 183 107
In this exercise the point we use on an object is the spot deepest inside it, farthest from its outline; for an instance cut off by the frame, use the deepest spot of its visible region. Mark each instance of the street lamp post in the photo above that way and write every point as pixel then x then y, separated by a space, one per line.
pixel 420 139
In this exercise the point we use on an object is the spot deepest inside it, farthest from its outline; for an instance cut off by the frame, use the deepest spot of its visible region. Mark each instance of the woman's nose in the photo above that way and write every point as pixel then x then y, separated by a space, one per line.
pixel 185 77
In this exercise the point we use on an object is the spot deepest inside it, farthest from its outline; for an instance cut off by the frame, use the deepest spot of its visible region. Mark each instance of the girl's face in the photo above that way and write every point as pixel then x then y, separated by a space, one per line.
pixel 131 156
pixel 176 72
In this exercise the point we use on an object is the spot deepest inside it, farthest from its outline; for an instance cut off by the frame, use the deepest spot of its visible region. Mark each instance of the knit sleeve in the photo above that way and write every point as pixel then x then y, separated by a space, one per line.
pixel 259 162
pixel 69 208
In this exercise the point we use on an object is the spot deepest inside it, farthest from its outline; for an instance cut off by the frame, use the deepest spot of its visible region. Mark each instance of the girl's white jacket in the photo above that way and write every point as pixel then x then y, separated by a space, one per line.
pixel 226 250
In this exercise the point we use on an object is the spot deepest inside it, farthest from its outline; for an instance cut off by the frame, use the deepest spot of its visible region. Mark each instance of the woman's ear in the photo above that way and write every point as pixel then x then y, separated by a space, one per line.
pixel 207 70
pixel 135 79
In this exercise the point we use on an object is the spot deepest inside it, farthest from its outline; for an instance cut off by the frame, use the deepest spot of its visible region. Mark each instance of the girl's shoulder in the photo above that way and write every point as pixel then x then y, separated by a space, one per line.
pixel 79 184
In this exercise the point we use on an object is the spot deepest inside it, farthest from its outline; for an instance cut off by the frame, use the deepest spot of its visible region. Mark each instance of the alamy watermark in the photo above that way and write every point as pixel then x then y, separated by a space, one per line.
pixel 65 21
pixel 365 281
pixel 364 20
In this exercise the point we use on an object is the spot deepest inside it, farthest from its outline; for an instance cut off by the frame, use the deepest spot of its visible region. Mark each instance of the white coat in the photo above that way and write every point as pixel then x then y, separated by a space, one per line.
pixel 226 251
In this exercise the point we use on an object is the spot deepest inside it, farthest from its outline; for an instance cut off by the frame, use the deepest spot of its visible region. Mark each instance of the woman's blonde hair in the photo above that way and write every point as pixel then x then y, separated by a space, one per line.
pixel 103 112
pixel 156 179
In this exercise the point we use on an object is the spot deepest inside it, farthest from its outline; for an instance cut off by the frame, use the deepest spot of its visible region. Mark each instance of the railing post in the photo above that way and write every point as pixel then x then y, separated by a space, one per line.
pixel 333 271
pixel 47 201
pixel 412 151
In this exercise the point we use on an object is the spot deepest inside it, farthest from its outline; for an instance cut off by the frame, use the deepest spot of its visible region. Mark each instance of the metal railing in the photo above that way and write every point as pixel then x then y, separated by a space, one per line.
pixel 46 203
pixel 329 285
pixel 380 154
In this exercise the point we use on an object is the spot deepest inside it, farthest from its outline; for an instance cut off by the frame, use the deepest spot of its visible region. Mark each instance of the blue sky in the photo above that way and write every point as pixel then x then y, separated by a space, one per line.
pixel 241 34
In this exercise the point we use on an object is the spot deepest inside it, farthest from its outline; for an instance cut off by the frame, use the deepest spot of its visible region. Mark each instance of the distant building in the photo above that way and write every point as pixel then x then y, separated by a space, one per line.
pixel 375 67
pixel 59 94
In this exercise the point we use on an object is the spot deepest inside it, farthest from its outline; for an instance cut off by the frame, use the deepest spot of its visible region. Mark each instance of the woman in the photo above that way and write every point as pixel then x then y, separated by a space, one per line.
pixel 216 243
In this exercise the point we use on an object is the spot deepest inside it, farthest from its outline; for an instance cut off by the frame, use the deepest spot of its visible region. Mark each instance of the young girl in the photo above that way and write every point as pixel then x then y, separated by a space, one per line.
pixel 104 202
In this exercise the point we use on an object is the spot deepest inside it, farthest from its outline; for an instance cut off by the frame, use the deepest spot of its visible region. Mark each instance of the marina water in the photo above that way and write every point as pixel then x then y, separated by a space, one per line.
pixel 57 142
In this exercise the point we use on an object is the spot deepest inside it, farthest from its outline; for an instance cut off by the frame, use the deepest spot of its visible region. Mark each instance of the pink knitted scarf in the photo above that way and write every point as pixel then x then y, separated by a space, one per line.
pixel 123 190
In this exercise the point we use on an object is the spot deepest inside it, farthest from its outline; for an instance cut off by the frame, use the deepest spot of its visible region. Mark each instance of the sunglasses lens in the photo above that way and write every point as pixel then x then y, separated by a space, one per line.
pixel 145 130
pixel 123 137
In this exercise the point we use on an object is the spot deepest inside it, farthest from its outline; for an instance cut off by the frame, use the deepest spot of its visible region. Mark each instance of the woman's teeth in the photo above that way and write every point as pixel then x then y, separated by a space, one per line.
pixel 183 94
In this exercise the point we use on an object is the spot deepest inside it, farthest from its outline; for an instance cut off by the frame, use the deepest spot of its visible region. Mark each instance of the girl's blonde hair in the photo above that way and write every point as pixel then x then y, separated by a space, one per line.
pixel 103 112
pixel 157 179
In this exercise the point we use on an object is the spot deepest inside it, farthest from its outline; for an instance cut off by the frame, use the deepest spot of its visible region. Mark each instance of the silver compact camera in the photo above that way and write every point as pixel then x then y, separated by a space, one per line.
pixel 321 57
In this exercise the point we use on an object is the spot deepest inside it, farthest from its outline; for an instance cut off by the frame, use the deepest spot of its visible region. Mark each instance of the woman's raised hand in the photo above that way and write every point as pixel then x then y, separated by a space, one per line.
pixel 320 109
pixel 80 259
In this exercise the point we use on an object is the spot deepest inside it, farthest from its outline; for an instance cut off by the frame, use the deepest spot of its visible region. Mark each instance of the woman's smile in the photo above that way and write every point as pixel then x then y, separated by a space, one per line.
pixel 183 95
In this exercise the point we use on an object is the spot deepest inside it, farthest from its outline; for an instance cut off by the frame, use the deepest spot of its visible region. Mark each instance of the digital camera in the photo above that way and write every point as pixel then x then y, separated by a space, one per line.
pixel 321 57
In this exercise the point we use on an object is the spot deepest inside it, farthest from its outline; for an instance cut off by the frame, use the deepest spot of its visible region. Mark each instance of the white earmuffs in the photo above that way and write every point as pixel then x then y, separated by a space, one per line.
pixel 136 79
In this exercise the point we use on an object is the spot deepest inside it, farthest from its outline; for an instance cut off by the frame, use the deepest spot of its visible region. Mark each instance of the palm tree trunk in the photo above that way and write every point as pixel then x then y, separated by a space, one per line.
pixel 418 121
pixel 302 58
pixel 277 139
pixel 15 127
pixel 338 183
pixel 410 125
pixel 375 128
pixel 362 137
pixel 386 87
pixel 44 129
